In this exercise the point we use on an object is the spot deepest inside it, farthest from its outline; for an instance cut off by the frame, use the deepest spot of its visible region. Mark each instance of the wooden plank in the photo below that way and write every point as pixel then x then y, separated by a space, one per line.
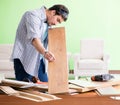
pixel 22 84
pixel 107 91
pixel 44 95
pixel 79 89
pixel 57 70
pixel 84 85
pixel 29 94
pixel 9 90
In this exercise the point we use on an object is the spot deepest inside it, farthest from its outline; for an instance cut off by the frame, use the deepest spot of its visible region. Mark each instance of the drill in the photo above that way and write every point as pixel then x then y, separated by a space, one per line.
pixel 102 77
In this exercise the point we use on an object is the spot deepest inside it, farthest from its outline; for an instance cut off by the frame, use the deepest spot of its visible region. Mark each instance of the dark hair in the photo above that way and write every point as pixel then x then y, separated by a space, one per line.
pixel 60 10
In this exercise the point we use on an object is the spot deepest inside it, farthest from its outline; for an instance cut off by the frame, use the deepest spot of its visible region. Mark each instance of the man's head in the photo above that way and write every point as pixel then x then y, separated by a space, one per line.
pixel 57 14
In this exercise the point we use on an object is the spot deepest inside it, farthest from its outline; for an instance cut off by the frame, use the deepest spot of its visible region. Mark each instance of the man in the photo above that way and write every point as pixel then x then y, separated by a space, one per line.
pixel 30 47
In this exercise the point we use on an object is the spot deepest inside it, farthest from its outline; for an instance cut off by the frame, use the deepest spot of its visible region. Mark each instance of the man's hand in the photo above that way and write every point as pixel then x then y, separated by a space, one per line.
pixel 49 56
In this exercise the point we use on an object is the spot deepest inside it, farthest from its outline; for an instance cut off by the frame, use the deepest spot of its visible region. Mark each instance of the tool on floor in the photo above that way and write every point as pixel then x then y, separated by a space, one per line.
pixel 102 77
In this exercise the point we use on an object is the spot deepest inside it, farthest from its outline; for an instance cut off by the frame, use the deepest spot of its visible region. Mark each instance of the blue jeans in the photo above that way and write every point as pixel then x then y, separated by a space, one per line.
pixel 42 75
pixel 22 75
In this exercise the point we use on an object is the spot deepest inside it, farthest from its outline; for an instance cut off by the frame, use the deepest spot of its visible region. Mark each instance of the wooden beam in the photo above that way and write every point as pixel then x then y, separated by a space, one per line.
pixel 57 70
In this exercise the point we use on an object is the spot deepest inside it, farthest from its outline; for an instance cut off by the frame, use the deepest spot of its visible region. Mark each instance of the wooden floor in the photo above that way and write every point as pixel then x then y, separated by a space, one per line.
pixel 66 100
pixel 110 71
pixel 114 71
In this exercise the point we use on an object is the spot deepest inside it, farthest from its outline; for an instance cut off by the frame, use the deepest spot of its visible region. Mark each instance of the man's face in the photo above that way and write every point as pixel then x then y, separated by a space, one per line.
pixel 54 19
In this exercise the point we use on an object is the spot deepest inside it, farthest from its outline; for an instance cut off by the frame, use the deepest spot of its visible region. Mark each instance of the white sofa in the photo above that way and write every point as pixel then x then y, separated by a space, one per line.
pixel 92 59
pixel 6 66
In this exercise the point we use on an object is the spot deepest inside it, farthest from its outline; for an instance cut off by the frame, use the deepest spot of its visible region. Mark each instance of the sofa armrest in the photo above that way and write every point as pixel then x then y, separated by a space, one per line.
pixel 106 58
pixel 76 56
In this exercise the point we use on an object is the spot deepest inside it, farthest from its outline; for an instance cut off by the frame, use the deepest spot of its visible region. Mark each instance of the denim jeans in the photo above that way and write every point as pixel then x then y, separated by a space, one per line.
pixel 42 75
pixel 22 75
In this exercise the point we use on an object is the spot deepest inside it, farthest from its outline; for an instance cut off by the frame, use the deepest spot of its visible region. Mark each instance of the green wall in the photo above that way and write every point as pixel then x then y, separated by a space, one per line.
pixel 87 19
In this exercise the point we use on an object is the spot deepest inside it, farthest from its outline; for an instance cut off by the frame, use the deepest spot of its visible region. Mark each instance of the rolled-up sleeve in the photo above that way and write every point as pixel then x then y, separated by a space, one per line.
pixel 33 26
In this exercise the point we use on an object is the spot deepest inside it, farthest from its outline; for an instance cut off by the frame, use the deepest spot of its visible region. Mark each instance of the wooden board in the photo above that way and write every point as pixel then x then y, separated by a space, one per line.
pixel 57 70
pixel 23 85
pixel 107 91
pixel 84 86
pixel 29 94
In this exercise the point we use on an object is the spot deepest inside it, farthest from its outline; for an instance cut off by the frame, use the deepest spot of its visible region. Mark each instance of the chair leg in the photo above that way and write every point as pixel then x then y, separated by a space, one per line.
pixel 76 77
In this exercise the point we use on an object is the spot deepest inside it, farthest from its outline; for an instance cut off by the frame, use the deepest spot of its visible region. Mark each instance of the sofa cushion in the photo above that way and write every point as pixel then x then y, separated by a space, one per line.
pixel 91 49
pixel 91 64
pixel 6 66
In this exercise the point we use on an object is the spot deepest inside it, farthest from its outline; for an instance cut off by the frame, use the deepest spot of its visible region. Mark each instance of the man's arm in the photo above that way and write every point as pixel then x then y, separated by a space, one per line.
pixel 39 46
